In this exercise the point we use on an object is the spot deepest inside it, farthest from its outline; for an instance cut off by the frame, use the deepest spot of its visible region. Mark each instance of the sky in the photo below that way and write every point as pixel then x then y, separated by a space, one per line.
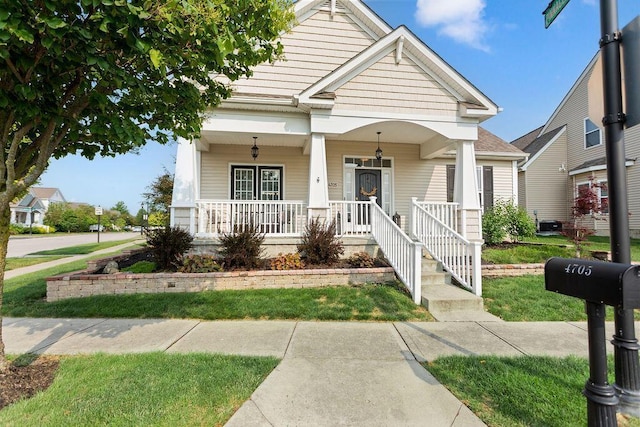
pixel 500 46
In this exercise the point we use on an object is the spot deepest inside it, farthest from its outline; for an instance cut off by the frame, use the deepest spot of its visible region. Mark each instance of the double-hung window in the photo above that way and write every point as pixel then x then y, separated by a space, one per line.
pixel 256 182
pixel 592 134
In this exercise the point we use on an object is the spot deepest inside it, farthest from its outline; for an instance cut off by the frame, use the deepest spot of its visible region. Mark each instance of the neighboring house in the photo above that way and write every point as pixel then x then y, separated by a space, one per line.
pixel 569 151
pixel 31 209
pixel 356 109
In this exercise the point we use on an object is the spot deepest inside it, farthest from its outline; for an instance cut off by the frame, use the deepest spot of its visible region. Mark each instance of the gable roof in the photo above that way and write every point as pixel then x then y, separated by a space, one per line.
pixel 43 192
pixel 377 26
pixel 536 147
pixel 489 142
pixel 526 139
pixel 471 100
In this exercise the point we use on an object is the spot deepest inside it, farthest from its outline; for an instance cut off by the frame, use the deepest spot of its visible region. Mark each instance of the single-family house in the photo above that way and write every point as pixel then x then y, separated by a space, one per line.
pixel 568 152
pixel 361 124
pixel 31 209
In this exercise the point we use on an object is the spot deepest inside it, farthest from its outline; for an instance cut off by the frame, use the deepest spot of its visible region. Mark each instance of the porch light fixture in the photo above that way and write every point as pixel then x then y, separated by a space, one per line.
pixel 379 151
pixel 254 149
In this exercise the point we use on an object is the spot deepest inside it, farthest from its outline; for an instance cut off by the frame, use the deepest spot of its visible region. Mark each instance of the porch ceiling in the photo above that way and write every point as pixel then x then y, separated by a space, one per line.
pixel 235 138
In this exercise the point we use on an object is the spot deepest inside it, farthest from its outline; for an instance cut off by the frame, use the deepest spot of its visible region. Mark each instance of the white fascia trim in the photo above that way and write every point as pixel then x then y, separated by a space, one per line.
pixel 499 156
pixel 304 9
pixel 543 149
pixel 416 118
pixel 597 168
pixel 451 72
pixel 582 76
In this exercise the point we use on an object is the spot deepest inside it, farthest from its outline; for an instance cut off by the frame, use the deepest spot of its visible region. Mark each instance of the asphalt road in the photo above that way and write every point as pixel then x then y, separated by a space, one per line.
pixel 22 245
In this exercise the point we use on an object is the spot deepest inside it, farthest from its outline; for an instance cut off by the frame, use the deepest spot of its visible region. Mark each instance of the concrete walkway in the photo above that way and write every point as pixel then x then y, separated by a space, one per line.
pixel 332 373
pixel 66 260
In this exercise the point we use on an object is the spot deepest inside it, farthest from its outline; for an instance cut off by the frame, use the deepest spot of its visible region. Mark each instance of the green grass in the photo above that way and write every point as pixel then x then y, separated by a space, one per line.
pixel 520 391
pixel 13 263
pixel 524 299
pixel 143 389
pixel 83 249
pixel 24 296
pixel 595 243
pixel 524 254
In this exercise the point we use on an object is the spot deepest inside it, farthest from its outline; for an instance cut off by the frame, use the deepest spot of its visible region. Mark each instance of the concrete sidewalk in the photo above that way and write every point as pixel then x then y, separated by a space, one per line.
pixel 66 260
pixel 332 373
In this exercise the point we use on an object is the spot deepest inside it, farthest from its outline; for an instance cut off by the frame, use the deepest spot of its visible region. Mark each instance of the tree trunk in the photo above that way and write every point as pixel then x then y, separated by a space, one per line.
pixel 5 220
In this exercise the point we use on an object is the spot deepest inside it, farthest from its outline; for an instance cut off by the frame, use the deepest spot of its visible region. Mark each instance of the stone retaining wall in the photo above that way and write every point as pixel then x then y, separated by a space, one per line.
pixel 83 284
pixel 502 270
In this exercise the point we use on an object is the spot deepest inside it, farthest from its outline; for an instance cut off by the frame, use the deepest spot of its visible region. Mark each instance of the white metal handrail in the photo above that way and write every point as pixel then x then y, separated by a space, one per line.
pixel 272 217
pixel 446 212
pixel 460 257
pixel 404 255
pixel 352 218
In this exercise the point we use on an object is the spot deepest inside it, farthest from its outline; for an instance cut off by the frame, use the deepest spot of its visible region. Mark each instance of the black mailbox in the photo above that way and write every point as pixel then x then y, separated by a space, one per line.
pixel 595 281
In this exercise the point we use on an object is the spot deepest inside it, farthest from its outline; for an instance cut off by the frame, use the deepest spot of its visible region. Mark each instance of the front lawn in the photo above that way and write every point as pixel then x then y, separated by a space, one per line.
pixel 142 390
pixel 84 249
pixel 524 299
pixel 521 391
pixel 24 296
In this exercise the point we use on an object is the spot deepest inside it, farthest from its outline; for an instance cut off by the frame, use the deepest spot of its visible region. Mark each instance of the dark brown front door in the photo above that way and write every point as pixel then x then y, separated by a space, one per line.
pixel 367 185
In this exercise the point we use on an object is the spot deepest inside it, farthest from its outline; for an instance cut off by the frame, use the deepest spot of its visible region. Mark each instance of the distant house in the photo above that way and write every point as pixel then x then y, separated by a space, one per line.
pixel 31 209
pixel 568 152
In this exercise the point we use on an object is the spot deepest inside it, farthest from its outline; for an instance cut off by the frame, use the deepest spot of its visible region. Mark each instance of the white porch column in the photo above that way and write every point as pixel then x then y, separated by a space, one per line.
pixel 186 185
pixel 318 186
pixel 465 191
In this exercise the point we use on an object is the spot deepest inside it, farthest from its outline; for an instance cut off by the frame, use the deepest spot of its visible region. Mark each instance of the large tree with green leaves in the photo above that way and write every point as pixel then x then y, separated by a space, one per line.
pixel 159 196
pixel 106 76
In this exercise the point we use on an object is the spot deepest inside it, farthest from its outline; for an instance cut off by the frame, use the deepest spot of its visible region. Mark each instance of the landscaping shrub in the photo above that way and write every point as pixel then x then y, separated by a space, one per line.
pixel 167 245
pixel 199 264
pixel 242 249
pixel 320 245
pixel 361 260
pixel 141 267
pixel 287 262
pixel 503 219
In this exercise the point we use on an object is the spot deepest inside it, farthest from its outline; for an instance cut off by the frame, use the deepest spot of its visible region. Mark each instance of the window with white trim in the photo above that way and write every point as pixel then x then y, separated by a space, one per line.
pixel 256 182
pixel 592 134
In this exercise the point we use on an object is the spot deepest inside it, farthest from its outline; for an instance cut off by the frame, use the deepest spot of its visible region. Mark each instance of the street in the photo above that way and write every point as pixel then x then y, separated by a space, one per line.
pixel 22 245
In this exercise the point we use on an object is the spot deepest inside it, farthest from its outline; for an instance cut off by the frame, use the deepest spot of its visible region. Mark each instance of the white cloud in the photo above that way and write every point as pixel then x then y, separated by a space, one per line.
pixel 462 20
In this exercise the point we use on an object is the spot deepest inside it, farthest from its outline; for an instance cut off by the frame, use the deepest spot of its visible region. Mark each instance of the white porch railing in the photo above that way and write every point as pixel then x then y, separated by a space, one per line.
pixel 352 218
pixel 404 255
pixel 460 257
pixel 273 217
pixel 445 212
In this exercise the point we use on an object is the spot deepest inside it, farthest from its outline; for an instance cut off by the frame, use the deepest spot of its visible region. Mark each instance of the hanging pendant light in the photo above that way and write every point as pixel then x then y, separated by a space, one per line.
pixel 379 151
pixel 254 149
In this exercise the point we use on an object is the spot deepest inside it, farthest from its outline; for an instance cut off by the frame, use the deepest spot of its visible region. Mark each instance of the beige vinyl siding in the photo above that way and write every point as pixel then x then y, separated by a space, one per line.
pixel 395 88
pixel 522 191
pixel 313 49
pixel 546 185
pixel 216 169
pixel 572 114
pixel 632 146
pixel 503 185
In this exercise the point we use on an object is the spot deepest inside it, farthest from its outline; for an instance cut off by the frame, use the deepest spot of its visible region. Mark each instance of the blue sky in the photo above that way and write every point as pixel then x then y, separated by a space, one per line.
pixel 501 47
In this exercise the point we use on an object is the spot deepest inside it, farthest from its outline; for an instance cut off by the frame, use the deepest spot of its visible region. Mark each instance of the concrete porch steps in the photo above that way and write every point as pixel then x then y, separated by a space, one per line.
pixel 447 302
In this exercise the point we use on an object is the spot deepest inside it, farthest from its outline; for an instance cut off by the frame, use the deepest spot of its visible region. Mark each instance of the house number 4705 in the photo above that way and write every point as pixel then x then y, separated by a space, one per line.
pixel 583 270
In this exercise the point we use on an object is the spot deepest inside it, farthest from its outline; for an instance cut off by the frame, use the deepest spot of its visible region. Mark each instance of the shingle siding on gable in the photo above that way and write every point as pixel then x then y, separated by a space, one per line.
pixel 312 50
pixel 395 88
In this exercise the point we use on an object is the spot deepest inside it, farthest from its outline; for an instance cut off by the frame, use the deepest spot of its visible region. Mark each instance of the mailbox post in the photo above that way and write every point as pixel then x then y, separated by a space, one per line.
pixel 599 284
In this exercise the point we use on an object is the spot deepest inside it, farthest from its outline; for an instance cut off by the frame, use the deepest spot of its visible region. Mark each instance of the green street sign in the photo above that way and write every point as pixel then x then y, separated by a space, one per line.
pixel 553 10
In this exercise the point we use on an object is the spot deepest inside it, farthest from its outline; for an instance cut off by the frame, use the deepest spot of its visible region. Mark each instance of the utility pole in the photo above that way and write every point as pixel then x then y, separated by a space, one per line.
pixel 627 366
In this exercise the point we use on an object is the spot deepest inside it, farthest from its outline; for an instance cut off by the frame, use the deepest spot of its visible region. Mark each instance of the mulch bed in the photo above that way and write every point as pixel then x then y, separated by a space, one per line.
pixel 25 378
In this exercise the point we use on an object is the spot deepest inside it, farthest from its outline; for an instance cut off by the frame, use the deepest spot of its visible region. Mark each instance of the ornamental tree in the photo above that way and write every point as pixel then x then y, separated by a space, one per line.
pixel 105 76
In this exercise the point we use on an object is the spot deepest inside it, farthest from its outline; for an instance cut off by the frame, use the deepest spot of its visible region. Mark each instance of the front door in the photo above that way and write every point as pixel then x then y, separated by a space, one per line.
pixel 367 185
